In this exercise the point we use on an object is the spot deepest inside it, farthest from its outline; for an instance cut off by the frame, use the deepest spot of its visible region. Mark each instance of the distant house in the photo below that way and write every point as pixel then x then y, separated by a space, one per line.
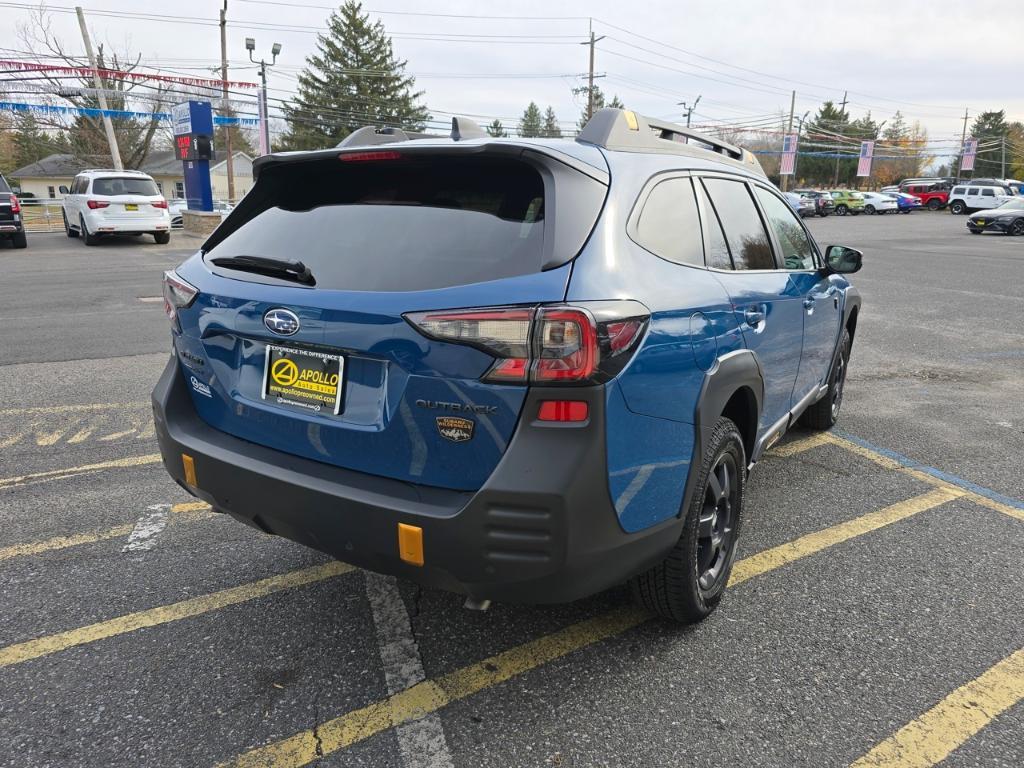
pixel 44 178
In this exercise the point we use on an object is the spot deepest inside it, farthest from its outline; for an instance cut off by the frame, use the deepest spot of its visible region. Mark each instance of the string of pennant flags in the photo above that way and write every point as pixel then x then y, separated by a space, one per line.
pixel 64 91
pixel 51 109
pixel 117 74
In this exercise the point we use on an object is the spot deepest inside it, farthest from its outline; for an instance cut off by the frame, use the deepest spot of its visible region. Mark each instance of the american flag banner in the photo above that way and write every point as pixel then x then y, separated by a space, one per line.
pixel 788 163
pixel 970 152
pixel 867 151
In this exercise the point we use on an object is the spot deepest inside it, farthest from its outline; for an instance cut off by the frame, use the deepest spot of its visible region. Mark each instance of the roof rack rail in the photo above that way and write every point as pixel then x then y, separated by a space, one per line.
pixel 112 170
pixel 624 129
pixel 369 135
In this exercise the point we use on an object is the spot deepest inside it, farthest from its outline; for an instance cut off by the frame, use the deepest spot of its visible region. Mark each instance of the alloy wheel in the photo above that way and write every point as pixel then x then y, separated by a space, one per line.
pixel 837 385
pixel 717 525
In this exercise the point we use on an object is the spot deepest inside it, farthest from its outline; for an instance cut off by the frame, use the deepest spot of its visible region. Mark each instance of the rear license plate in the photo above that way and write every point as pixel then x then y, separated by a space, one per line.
pixel 298 377
pixel 131 207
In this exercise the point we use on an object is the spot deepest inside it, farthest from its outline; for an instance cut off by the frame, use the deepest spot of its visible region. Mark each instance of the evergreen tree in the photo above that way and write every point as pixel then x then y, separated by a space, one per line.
pixel 599 103
pixel 550 129
pixel 530 124
pixel 820 169
pixel 496 129
pixel 240 139
pixel 352 80
pixel 989 128
pixel 30 143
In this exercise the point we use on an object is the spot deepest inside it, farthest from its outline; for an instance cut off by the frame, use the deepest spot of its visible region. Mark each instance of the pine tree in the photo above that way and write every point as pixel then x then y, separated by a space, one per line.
pixel 352 80
pixel 550 129
pixel 30 143
pixel 496 129
pixel 599 103
pixel 530 125
pixel 991 128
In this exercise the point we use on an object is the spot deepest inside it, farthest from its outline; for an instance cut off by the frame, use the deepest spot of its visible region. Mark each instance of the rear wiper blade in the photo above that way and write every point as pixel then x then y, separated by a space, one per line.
pixel 281 268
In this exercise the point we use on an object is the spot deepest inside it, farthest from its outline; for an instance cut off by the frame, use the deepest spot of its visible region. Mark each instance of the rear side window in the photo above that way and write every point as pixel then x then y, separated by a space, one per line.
pixel 958 191
pixel 744 230
pixel 717 255
pixel 669 225
pixel 972 191
pixel 988 193
pixel 112 186
pixel 396 225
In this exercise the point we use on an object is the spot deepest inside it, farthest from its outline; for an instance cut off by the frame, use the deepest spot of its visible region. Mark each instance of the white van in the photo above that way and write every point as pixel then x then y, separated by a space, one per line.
pixel 975 197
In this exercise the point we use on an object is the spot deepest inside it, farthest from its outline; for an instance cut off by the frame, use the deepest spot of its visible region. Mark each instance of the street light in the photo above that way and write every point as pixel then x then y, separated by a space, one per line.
pixel 250 46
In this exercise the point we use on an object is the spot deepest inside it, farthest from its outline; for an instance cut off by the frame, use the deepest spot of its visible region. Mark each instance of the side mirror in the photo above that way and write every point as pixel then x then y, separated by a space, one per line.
pixel 842 260
pixel 62 189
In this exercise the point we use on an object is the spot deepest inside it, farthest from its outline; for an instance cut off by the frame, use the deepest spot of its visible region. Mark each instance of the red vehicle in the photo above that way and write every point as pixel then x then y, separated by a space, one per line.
pixel 933 194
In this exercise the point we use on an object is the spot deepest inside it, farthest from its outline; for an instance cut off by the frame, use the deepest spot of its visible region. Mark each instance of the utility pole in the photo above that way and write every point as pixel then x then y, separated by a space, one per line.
pixel 590 77
pixel 792 109
pixel 688 109
pixel 224 107
pixel 115 153
pixel 963 140
pixel 799 131
pixel 835 179
pixel 1002 172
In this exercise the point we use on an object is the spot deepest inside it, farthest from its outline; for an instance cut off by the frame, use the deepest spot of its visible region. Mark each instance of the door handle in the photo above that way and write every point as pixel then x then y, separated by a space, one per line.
pixel 809 303
pixel 754 317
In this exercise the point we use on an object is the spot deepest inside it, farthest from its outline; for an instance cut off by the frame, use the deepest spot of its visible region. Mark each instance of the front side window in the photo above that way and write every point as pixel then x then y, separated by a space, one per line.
pixel 669 225
pixel 744 230
pixel 958 191
pixel 797 251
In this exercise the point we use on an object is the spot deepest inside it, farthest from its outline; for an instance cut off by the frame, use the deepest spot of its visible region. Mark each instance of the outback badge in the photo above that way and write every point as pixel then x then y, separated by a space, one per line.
pixel 455 428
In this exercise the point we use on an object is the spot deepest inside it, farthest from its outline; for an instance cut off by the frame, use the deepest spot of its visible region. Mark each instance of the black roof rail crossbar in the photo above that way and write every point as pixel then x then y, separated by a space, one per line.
pixel 370 135
pixel 623 129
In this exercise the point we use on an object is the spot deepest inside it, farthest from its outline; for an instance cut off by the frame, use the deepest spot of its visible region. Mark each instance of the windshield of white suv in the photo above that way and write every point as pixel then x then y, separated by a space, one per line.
pixel 123 185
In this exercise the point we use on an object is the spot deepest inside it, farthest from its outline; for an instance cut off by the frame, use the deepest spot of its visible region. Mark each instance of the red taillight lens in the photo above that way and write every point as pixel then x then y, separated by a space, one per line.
pixel 159 204
pixel 368 157
pixel 177 295
pixel 583 344
pixel 94 204
pixel 15 204
pixel 563 410
pixel 566 347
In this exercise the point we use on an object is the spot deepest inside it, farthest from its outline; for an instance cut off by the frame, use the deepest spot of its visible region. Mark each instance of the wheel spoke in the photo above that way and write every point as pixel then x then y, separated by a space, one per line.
pixel 704 527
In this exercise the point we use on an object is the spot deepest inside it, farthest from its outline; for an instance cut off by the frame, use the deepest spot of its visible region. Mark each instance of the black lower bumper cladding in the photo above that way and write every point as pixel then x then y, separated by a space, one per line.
pixel 543 528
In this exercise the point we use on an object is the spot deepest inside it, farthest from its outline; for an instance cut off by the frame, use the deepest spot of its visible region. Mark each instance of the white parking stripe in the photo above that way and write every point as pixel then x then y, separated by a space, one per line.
pixel 422 742
pixel 143 536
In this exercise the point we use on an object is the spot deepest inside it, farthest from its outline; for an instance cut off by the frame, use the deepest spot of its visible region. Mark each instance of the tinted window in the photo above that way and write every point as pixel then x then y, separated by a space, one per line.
pixel 748 240
pixel 718 250
pixel 973 191
pixel 669 225
pixel 797 252
pixel 126 185
pixel 958 191
pixel 988 193
pixel 395 225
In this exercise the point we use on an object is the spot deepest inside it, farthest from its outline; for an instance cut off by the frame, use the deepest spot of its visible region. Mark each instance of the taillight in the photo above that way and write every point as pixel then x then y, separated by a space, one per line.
pixel 177 295
pixel 94 204
pixel 15 204
pixel 159 204
pixel 584 343
pixel 369 157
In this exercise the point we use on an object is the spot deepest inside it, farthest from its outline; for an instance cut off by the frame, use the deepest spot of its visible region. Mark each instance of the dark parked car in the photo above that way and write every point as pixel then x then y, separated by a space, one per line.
pixel 522 371
pixel 12 223
pixel 1008 218
pixel 823 202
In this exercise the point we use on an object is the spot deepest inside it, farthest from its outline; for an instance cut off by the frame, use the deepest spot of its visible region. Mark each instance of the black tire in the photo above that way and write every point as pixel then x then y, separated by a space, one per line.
pixel 869 209
pixel 824 413
pixel 934 204
pixel 975 231
pixel 87 236
pixel 18 240
pixel 957 207
pixel 1017 228
pixel 67 227
pixel 841 210
pixel 689 583
pixel 162 238
pixel 823 214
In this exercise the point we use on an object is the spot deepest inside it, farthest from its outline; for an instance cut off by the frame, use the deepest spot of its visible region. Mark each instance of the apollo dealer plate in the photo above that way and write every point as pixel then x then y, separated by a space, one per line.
pixel 304 379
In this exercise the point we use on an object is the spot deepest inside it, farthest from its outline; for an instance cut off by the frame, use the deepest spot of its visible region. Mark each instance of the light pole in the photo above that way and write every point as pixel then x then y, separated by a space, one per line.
pixel 688 109
pixel 799 131
pixel 250 46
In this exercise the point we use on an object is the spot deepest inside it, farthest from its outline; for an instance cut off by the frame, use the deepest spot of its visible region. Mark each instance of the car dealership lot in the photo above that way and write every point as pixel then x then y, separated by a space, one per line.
pixel 875 612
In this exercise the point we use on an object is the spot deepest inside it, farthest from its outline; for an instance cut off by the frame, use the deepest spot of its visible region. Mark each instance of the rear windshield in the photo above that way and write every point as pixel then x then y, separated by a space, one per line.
pixel 124 186
pixel 395 225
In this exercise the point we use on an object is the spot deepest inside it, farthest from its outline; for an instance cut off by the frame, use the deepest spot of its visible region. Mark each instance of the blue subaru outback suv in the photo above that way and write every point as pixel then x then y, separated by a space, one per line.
pixel 519 370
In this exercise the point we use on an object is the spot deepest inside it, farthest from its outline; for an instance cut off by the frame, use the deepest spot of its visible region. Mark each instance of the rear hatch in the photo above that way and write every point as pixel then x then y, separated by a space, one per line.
pixel 317 359
pixel 128 197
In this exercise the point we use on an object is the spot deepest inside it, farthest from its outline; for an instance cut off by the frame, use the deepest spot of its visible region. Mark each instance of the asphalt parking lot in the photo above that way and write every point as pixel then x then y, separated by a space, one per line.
pixel 875 617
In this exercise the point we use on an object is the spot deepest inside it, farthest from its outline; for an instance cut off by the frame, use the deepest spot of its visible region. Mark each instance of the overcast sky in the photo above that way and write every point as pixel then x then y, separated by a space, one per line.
pixel 930 60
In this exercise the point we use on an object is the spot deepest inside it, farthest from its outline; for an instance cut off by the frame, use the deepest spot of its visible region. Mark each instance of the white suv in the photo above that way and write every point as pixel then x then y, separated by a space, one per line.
pixel 974 197
pixel 104 202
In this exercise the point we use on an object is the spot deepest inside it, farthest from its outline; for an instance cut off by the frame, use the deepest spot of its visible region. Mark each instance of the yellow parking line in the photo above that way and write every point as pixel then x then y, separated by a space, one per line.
pixel 799 446
pixel 931 738
pixel 778 556
pixel 888 463
pixel 64 542
pixel 341 732
pixel 73 408
pixel 54 474
pixel 44 646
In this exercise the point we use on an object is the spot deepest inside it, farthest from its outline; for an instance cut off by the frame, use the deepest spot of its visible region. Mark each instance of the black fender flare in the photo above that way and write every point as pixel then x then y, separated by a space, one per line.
pixel 731 373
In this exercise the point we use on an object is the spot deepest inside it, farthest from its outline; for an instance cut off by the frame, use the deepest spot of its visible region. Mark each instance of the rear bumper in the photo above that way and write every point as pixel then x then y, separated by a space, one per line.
pixel 543 528
pixel 127 226
pixel 10 227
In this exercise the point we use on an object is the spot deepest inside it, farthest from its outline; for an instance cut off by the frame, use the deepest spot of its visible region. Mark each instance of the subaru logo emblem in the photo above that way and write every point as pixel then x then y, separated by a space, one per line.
pixel 283 322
